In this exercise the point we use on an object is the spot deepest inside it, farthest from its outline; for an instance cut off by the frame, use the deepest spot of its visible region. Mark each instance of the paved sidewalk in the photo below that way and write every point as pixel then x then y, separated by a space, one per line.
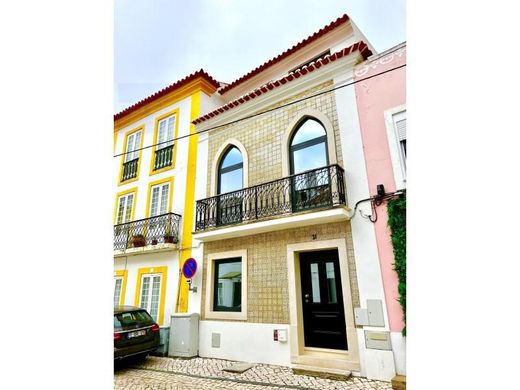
pixel 204 373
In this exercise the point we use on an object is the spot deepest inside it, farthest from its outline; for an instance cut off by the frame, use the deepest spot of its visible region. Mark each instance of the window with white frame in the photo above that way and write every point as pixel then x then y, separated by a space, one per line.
pixel 165 136
pixel 159 202
pixel 124 208
pixel 133 143
pixel 400 130
pixel 395 120
pixel 118 283
pixel 150 294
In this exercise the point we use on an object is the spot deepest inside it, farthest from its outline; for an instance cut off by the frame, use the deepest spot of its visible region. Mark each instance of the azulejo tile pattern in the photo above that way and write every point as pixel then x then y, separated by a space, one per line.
pixel 268 296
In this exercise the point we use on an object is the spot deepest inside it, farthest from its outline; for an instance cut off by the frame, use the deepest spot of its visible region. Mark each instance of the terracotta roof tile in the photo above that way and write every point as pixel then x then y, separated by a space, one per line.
pixel 329 27
pixel 359 46
pixel 166 90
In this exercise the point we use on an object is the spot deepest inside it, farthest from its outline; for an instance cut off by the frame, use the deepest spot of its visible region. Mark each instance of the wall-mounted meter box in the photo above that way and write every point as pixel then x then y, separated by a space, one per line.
pixel 378 340
pixel 361 316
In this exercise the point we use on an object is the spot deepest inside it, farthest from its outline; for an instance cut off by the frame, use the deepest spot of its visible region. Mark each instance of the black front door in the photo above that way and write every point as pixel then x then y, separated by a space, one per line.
pixel 322 300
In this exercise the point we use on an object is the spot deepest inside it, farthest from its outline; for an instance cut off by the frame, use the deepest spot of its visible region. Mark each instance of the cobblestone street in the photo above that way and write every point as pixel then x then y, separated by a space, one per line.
pixel 200 373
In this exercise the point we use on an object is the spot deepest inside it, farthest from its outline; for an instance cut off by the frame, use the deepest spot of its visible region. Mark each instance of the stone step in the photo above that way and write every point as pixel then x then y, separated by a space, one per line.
pixel 320 372
pixel 399 382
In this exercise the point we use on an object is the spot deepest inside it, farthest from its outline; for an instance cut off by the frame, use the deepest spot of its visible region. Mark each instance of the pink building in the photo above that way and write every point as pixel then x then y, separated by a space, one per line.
pixel 381 102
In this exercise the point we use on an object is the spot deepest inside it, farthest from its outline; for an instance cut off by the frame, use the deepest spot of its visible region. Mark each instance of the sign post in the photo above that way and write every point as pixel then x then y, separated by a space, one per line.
pixel 189 269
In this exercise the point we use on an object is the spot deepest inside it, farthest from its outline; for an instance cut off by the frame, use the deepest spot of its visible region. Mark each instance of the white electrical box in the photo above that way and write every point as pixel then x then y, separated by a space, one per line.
pixel 184 335
pixel 375 312
pixel 361 316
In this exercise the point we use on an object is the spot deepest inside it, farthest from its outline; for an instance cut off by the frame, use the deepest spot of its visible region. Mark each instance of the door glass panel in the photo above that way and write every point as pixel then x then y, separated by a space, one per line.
pixel 164 198
pixel 117 291
pixel 144 292
pixel 331 283
pixel 231 181
pixel 315 282
pixel 312 157
pixel 154 309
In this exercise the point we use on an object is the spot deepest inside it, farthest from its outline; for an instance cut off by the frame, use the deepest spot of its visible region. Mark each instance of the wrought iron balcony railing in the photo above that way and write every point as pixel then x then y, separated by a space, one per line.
pixel 163 157
pixel 149 231
pixel 317 188
pixel 129 169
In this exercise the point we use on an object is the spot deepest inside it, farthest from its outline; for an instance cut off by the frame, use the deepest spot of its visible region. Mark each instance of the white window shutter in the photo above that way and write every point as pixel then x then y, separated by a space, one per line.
pixel 400 127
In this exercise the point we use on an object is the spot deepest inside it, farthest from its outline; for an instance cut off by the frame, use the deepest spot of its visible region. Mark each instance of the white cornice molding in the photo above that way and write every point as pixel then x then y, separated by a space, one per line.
pixel 330 71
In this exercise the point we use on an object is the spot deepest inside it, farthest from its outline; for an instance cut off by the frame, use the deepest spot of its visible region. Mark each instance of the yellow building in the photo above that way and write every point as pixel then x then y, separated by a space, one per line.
pixel 155 172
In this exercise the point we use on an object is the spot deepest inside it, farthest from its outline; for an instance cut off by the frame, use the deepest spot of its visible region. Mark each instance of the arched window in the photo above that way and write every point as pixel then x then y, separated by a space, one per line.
pixel 230 171
pixel 308 147
pixel 308 153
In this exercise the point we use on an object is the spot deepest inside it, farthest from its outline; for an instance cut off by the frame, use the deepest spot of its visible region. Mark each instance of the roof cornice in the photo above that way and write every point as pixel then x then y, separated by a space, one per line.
pixel 329 27
pixel 179 90
pixel 267 92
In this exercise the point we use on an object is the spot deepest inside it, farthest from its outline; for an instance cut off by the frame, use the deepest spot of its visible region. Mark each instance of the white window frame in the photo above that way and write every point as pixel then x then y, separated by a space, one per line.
pixel 210 278
pixel 160 197
pixel 116 278
pixel 148 305
pixel 132 153
pixel 127 211
pixel 398 159
pixel 168 138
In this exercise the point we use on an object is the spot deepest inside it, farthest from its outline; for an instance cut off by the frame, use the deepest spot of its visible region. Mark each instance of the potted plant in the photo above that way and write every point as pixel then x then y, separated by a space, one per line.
pixel 154 241
pixel 168 236
pixel 138 240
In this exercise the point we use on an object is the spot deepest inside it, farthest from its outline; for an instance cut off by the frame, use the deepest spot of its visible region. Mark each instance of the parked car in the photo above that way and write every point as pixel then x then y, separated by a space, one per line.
pixel 135 332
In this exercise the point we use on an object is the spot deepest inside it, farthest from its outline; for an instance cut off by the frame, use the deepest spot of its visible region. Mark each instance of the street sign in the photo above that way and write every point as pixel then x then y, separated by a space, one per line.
pixel 189 268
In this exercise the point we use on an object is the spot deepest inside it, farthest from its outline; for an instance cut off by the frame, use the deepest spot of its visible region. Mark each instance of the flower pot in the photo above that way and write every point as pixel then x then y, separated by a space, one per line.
pixel 138 241
pixel 168 239
pixel 154 241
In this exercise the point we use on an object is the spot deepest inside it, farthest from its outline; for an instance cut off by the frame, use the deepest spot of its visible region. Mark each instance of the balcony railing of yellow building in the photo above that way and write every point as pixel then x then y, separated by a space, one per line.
pixel 161 229
pixel 163 157
pixel 129 169
pixel 314 189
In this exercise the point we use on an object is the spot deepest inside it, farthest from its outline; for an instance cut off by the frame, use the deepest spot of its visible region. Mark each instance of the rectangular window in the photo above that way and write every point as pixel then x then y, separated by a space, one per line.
pixel 131 157
pixel 118 283
pixel 124 208
pixel 165 136
pixel 159 201
pixel 400 131
pixel 163 154
pixel 228 285
pixel 150 294
pixel 133 144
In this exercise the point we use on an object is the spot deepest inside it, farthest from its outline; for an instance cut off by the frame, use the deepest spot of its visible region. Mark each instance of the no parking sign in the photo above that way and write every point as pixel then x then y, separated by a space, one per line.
pixel 189 268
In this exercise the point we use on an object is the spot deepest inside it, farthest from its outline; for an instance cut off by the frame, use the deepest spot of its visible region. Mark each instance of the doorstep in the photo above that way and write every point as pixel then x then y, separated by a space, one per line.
pixel 399 382
pixel 320 372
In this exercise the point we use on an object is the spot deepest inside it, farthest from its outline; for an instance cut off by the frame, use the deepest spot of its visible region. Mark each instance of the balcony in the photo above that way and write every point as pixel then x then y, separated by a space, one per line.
pixel 155 231
pixel 163 158
pixel 129 169
pixel 315 190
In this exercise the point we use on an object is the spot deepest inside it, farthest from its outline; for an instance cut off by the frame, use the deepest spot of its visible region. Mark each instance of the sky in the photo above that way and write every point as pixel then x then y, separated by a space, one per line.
pixel 157 42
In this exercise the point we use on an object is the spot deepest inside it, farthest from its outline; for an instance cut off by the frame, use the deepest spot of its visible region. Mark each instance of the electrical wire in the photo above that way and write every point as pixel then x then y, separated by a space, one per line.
pixel 375 201
pixel 338 86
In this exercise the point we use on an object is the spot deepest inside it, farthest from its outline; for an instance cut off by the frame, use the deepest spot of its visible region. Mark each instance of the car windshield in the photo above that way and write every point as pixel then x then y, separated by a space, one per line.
pixel 131 318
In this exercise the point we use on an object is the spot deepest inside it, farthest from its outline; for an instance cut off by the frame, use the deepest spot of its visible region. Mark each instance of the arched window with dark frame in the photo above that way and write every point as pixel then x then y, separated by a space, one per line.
pixel 230 171
pixel 230 181
pixel 309 159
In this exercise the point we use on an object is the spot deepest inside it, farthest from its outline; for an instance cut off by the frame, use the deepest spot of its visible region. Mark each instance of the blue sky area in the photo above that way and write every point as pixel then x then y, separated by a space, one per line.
pixel 157 42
